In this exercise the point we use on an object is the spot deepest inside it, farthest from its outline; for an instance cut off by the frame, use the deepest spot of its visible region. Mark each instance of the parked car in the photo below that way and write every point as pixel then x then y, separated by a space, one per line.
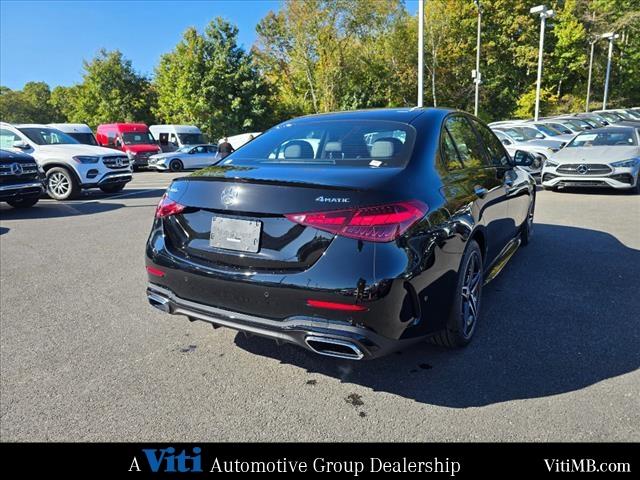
pixel 134 139
pixel 351 251
pixel 594 118
pixel 173 137
pixel 540 152
pixel 188 157
pixel 81 132
pixel 607 157
pixel 567 128
pixel 21 180
pixel 525 133
pixel 580 123
pixel 549 132
pixel 611 116
pixel 68 165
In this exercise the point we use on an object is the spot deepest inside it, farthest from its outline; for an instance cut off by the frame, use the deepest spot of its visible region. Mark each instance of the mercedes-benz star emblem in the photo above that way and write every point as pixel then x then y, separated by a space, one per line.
pixel 582 169
pixel 118 162
pixel 229 196
pixel 16 169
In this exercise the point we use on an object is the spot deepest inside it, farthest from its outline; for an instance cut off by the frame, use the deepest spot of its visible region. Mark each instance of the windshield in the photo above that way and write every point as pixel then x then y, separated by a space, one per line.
pixel 531 133
pixel 561 128
pixel 611 117
pixel 365 143
pixel 138 138
pixel 552 132
pixel 191 138
pixel 47 136
pixel 86 138
pixel 617 137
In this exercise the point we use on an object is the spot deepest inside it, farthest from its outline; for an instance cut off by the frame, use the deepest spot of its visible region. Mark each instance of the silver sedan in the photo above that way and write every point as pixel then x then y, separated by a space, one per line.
pixel 189 157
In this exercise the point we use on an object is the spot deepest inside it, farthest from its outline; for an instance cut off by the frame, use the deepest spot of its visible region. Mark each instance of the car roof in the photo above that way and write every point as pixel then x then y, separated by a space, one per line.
pixel 71 127
pixel 403 115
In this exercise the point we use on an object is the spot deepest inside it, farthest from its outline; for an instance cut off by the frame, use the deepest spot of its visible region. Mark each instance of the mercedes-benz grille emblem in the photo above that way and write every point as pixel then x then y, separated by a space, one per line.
pixel 118 162
pixel 229 196
pixel 16 169
pixel 582 169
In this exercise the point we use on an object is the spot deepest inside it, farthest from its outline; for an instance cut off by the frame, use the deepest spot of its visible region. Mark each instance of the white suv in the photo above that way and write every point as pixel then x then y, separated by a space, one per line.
pixel 68 165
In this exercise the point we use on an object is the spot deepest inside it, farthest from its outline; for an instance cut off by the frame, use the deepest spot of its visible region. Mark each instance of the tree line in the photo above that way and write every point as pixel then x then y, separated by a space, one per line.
pixel 325 55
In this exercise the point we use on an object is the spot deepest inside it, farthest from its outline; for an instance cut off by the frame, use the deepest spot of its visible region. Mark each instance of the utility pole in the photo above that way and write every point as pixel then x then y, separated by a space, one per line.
pixel 544 14
pixel 420 52
pixel 593 44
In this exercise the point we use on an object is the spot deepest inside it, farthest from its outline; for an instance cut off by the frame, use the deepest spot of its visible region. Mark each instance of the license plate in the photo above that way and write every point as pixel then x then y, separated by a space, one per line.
pixel 235 234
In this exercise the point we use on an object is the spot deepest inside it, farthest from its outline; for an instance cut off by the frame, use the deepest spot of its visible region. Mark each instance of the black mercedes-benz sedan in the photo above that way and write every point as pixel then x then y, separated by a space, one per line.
pixel 21 181
pixel 350 234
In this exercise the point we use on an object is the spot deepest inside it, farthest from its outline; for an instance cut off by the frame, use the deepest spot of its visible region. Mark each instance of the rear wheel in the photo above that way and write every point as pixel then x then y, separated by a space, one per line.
pixel 465 310
pixel 61 184
pixel 175 165
pixel 112 188
pixel 23 202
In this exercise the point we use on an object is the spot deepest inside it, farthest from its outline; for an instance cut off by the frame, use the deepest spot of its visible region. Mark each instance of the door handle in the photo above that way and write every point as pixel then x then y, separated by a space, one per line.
pixel 480 191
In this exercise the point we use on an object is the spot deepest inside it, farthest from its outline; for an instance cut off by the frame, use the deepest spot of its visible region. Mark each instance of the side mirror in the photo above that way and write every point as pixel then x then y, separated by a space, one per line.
pixel 505 141
pixel 21 144
pixel 539 135
pixel 523 159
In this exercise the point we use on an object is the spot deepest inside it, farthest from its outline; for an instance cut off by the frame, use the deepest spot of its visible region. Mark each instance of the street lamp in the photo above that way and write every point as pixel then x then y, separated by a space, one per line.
pixel 476 73
pixel 611 36
pixel 420 52
pixel 544 13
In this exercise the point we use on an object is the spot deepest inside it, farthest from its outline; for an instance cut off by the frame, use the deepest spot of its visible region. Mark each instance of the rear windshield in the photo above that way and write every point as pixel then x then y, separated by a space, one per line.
pixel 368 143
pixel 617 137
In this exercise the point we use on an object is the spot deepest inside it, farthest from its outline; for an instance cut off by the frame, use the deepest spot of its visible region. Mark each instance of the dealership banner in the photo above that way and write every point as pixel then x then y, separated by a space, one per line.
pixel 466 460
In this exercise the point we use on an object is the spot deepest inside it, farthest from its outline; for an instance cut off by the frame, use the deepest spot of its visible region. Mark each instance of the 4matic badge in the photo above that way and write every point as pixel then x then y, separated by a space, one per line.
pixel 333 199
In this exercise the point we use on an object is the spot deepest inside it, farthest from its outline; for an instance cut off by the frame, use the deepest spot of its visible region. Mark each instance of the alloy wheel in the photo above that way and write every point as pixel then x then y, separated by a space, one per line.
pixel 471 294
pixel 59 184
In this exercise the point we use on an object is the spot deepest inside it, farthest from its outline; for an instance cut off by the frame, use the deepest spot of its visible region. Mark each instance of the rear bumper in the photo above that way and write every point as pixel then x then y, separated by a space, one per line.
pixel 322 336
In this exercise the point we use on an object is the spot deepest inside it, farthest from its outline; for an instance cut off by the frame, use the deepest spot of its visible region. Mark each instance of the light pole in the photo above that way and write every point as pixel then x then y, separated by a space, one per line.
pixel 420 52
pixel 544 14
pixel 476 73
pixel 593 43
pixel 611 36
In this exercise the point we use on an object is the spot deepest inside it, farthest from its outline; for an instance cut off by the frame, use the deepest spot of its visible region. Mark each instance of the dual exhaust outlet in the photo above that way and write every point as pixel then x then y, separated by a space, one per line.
pixel 331 347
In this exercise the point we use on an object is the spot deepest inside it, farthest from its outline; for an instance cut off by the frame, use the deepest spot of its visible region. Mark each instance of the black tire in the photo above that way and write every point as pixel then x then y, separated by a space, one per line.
pixel 23 202
pixel 463 319
pixel 526 229
pixel 113 188
pixel 62 184
pixel 175 165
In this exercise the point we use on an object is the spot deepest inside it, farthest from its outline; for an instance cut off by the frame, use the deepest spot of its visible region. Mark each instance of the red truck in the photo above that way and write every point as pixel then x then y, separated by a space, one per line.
pixel 134 139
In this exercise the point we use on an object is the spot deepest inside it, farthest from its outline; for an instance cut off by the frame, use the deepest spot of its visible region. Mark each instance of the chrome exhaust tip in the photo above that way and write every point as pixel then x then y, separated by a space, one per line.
pixel 158 301
pixel 333 347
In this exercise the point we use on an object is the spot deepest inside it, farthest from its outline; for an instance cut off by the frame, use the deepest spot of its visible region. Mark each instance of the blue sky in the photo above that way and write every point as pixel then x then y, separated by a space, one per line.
pixel 47 40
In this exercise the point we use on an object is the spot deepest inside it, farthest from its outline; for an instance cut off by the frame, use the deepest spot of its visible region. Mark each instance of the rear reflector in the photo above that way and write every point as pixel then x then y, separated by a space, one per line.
pixel 168 207
pixel 155 272
pixel 345 307
pixel 379 223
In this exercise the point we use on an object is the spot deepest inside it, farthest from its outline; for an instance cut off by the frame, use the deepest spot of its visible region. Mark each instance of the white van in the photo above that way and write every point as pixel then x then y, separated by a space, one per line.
pixel 173 137
pixel 80 131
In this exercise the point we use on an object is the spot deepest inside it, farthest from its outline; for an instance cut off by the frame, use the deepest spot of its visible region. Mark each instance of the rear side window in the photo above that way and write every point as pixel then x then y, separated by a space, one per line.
pixel 497 154
pixel 449 154
pixel 466 141
pixel 363 143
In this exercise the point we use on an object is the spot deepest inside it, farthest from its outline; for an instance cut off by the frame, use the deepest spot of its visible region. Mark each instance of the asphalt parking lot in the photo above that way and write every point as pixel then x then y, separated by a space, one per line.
pixel 84 357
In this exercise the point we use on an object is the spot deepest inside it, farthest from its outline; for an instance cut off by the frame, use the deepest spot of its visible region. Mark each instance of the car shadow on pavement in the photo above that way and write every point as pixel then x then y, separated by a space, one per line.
pixel 563 315
pixel 57 210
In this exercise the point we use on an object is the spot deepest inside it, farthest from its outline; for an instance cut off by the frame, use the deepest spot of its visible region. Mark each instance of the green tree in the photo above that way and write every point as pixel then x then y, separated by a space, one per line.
pixel 209 81
pixel 32 104
pixel 111 91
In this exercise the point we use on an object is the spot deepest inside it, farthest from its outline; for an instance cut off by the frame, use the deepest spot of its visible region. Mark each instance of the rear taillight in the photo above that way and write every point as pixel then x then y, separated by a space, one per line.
pixel 168 207
pixel 380 223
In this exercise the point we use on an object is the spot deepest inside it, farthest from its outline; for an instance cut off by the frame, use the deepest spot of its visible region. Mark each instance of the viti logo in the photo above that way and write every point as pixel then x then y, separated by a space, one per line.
pixel 333 199
pixel 166 460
